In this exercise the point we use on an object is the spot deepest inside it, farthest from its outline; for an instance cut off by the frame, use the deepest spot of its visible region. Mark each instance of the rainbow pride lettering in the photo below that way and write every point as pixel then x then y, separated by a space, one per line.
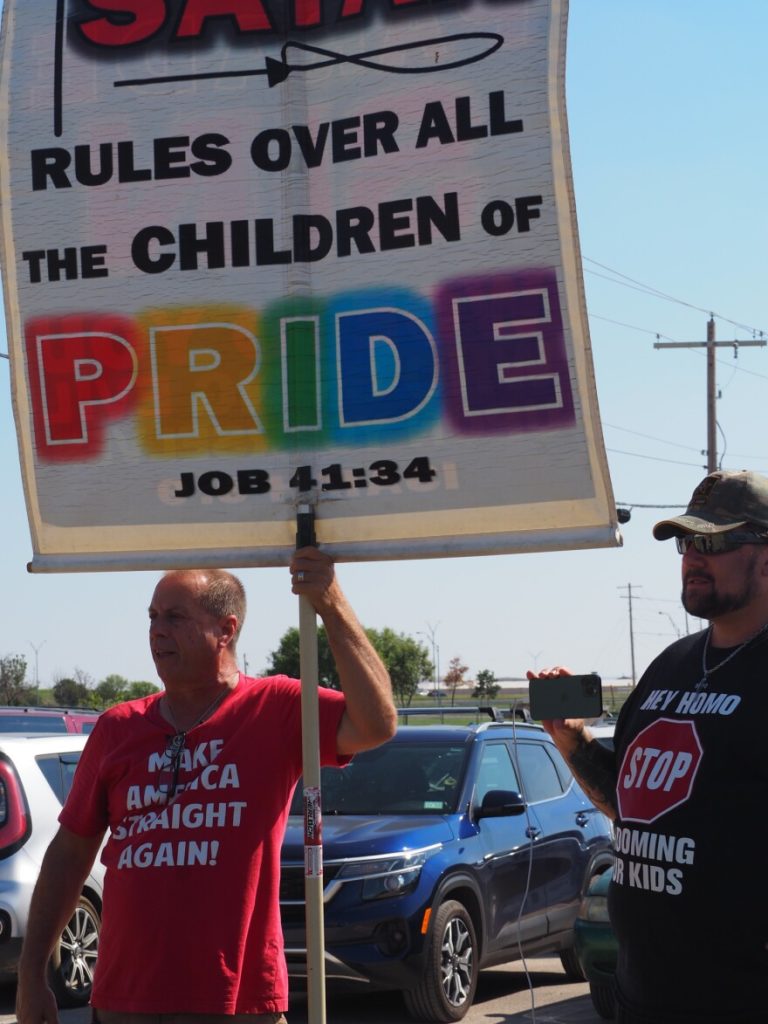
pixel 485 356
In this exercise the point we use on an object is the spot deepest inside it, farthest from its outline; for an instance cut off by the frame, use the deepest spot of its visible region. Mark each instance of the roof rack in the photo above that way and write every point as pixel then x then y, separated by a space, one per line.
pixel 516 712
pixel 34 708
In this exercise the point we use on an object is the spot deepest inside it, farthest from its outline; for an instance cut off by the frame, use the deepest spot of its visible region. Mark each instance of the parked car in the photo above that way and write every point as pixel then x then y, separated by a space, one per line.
pixel 42 719
pixel 602 729
pixel 446 850
pixel 596 945
pixel 35 776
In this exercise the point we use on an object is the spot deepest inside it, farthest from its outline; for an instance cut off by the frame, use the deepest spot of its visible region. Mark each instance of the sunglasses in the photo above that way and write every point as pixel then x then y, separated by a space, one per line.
pixel 717 543
pixel 168 780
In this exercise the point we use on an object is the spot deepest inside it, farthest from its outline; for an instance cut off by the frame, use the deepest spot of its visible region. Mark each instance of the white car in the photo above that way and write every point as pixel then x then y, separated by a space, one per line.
pixel 35 777
pixel 602 729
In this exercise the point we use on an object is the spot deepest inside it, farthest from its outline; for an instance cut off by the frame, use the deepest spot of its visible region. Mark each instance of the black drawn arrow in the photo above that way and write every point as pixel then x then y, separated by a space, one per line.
pixel 276 71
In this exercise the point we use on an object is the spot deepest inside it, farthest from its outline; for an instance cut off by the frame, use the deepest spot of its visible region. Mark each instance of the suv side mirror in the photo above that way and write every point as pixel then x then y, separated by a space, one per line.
pixel 500 803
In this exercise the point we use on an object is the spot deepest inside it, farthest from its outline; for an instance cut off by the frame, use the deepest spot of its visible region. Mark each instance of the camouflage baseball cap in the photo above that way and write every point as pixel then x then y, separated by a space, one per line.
pixel 723 501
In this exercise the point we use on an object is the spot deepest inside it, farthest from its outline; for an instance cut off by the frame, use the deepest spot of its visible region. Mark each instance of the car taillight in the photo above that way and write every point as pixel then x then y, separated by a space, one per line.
pixel 14 814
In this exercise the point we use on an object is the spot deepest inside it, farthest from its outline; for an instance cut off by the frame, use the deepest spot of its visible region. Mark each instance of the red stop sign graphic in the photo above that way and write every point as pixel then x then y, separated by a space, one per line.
pixel 658 770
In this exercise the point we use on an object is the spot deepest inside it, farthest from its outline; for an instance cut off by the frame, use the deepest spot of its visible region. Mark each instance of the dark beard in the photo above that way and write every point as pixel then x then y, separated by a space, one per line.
pixel 715 603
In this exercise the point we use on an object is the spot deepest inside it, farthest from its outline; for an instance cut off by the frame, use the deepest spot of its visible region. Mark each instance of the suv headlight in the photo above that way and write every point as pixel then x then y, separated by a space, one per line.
pixel 387 875
pixel 594 908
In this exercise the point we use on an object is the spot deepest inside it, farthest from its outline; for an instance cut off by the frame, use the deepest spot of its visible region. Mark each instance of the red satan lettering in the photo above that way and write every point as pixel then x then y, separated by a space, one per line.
pixel 136 21
pixel 149 16
pixel 250 16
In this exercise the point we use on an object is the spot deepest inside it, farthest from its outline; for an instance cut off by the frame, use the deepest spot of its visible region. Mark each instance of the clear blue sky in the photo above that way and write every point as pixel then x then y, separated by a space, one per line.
pixel 667 110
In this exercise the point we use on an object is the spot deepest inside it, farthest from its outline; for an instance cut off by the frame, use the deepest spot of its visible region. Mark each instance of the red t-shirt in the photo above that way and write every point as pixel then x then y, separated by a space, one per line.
pixel 191 918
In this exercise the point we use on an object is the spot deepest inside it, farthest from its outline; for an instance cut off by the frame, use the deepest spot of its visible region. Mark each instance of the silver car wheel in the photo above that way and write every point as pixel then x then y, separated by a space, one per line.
pixel 458 961
pixel 74 958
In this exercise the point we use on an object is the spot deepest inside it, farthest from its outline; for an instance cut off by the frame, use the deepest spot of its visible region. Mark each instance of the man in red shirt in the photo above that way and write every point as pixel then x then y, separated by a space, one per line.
pixel 193 786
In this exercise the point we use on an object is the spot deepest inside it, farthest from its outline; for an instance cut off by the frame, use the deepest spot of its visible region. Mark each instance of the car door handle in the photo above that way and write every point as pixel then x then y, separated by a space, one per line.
pixel 582 818
pixel 532 832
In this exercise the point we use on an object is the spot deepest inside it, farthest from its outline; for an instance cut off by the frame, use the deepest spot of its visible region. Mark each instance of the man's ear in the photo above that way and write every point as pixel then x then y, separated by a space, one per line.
pixel 762 559
pixel 228 630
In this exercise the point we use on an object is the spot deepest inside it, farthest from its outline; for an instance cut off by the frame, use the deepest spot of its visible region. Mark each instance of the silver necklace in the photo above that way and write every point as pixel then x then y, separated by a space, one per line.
pixel 208 711
pixel 703 683
pixel 177 743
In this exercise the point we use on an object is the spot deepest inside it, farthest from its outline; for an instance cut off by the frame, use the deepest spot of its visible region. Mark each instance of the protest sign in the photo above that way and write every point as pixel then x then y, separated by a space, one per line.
pixel 262 254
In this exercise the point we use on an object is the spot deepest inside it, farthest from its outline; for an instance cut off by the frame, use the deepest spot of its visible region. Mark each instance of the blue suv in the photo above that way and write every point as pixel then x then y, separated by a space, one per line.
pixel 446 850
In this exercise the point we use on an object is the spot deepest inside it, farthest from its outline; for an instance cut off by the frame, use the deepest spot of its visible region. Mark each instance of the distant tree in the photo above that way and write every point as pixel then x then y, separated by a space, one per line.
pixel 84 678
pixel 454 677
pixel 70 693
pixel 406 660
pixel 13 671
pixel 486 686
pixel 140 688
pixel 285 660
pixel 111 690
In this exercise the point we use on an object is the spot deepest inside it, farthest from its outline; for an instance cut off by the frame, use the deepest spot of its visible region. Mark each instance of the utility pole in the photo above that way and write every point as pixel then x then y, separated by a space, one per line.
pixel 36 648
pixel 631 630
pixel 711 345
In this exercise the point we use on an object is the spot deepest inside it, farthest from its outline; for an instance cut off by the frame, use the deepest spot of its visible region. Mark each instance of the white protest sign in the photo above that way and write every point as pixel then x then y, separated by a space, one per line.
pixel 271 252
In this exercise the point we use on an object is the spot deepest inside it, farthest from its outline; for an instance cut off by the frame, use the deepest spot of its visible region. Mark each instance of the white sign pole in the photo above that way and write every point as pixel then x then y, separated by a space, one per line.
pixel 313 836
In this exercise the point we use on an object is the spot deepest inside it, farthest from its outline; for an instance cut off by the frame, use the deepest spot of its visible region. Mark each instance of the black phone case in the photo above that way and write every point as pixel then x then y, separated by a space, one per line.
pixel 566 697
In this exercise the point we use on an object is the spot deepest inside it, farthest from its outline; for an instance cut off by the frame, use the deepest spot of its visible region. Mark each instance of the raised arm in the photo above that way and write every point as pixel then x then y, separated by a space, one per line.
pixel 65 867
pixel 370 717
pixel 592 763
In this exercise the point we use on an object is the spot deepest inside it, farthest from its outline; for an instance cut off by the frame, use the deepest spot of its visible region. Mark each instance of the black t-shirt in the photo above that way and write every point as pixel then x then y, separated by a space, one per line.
pixel 689 899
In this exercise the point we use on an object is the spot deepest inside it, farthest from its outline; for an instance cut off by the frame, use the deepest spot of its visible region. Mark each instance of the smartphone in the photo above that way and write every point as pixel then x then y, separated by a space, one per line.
pixel 566 697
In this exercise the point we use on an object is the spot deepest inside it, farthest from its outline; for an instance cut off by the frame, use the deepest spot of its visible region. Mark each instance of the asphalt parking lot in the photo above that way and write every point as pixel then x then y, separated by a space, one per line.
pixel 503 997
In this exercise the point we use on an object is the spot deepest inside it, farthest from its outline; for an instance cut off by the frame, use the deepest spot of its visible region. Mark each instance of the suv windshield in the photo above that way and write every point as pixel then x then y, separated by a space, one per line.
pixel 397 778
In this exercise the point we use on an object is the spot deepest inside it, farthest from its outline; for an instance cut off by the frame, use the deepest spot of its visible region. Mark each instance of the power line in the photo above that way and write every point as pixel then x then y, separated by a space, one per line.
pixel 657 293
pixel 631 327
pixel 736 369
pixel 749 458
pixel 650 437
pixel 655 458
pixel 626 281
pixel 650 289
pixel 658 335
pixel 641 288
pixel 711 356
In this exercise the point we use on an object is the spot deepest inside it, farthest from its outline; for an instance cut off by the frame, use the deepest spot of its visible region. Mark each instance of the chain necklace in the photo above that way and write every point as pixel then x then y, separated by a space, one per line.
pixel 181 733
pixel 703 683
pixel 177 743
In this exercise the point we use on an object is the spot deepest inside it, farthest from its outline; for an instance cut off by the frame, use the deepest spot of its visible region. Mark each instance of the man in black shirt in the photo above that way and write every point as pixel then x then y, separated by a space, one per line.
pixel 688 781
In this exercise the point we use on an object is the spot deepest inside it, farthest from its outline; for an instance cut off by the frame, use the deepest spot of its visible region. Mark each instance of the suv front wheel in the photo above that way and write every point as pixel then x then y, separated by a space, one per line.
pixel 447 988
pixel 571 965
pixel 74 958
